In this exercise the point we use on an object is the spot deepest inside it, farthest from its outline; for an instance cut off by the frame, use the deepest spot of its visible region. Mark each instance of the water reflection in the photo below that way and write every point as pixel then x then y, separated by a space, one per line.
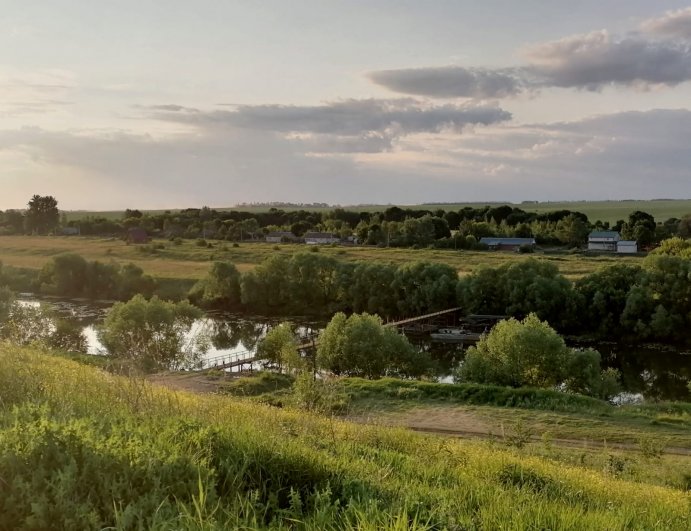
pixel 653 371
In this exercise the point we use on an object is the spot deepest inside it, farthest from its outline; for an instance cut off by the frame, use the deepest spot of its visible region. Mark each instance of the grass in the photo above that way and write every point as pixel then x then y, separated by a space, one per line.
pixel 611 211
pixel 80 448
pixel 485 408
pixel 191 262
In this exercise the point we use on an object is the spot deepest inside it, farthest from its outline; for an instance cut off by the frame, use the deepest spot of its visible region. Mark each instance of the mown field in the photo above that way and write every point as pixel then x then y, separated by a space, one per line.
pixel 595 210
pixel 83 449
pixel 189 261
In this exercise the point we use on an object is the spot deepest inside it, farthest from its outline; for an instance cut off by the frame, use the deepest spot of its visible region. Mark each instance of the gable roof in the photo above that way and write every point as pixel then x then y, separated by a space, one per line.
pixel 604 234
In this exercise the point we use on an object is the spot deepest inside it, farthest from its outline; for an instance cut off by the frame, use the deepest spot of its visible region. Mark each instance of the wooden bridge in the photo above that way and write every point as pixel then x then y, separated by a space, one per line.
pixel 247 358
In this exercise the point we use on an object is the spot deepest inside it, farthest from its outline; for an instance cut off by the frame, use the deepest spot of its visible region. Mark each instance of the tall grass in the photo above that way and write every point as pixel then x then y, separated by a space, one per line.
pixel 83 449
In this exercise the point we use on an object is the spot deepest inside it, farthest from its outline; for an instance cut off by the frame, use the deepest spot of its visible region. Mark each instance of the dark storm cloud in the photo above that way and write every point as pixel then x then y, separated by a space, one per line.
pixel 671 24
pixel 450 82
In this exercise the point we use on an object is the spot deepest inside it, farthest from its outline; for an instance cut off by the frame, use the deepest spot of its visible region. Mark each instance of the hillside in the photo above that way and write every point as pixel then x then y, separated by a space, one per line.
pixel 83 449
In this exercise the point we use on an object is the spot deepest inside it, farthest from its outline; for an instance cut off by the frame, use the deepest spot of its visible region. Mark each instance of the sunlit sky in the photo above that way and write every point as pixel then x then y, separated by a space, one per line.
pixel 166 104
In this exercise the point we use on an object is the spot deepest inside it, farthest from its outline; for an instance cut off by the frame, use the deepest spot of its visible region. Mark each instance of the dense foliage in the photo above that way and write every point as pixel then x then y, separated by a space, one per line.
pixel 84 450
pixel 360 345
pixel 70 275
pixel 530 353
pixel 152 334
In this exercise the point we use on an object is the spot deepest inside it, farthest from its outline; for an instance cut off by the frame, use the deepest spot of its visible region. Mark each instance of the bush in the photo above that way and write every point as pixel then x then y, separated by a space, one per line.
pixel 517 353
pixel 360 345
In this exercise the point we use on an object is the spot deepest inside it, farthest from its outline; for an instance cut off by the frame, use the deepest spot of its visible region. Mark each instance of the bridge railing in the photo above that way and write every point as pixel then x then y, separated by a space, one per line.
pixel 225 359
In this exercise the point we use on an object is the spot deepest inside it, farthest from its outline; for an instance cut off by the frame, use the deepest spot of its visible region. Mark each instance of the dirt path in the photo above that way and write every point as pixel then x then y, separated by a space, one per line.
pixel 195 382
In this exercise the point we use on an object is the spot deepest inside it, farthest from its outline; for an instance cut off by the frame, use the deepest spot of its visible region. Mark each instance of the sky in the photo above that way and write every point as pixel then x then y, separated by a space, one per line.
pixel 173 104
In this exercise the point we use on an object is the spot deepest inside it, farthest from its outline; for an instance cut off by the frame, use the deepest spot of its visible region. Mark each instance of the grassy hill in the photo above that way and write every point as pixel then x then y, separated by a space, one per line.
pixel 82 449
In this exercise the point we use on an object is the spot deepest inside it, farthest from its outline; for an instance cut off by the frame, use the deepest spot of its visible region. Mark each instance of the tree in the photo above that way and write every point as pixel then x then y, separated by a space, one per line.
pixel 423 287
pixel 640 227
pixel 572 230
pixel 605 293
pixel 520 288
pixel 279 348
pixel 674 247
pixel 530 353
pixel 153 335
pixel 684 227
pixel 64 275
pixel 220 288
pixel 517 353
pixel 42 214
pixel 360 345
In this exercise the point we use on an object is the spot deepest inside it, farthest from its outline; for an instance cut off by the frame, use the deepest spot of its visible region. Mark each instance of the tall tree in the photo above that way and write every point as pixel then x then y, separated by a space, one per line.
pixel 42 214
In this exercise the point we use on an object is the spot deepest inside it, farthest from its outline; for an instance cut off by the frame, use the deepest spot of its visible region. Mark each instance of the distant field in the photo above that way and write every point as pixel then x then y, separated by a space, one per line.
pixel 188 261
pixel 595 210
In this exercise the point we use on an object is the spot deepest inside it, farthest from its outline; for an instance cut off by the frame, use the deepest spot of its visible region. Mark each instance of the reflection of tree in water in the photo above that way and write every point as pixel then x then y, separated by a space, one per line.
pixel 656 373
pixel 446 355
pixel 227 334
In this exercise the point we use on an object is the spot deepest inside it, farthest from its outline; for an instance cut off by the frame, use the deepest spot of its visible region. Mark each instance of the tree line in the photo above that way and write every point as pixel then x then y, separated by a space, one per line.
pixel 622 301
pixel 394 226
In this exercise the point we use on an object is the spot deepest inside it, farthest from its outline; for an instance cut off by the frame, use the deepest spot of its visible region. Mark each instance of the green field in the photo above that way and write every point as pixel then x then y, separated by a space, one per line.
pixel 661 209
pixel 82 449
pixel 189 261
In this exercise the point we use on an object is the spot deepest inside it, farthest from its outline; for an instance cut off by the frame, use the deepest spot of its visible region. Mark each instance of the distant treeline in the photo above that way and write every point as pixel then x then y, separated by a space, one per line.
pixel 395 227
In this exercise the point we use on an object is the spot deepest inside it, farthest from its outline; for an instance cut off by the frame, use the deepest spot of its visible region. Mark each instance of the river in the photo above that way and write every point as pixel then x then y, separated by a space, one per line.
pixel 648 371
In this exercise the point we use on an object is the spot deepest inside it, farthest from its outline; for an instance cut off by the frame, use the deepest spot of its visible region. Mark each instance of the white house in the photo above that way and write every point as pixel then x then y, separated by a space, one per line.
pixel 627 246
pixel 605 240
pixel 314 238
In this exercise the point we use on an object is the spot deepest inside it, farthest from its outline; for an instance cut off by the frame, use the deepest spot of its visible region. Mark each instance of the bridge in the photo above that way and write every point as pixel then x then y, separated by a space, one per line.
pixel 247 358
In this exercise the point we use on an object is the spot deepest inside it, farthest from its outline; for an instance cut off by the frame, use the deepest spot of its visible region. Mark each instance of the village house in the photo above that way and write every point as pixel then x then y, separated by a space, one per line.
pixel 280 237
pixel 610 240
pixel 603 240
pixel 627 246
pixel 314 238
pixel 507 244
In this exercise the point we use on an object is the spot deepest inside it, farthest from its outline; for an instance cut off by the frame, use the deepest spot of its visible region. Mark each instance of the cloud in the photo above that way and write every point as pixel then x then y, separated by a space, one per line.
pixel 615 156
pixel 594 60
pixel 367 125
pixel 671 24
pixel 451 82
pixel 589 61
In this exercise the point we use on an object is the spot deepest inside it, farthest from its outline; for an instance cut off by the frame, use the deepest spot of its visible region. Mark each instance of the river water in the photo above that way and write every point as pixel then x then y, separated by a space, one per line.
pixel 648 371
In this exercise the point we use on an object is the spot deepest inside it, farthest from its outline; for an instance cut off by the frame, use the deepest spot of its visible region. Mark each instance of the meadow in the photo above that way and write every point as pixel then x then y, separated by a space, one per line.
pixel 80 448
pixel 163 259
pixel 661 209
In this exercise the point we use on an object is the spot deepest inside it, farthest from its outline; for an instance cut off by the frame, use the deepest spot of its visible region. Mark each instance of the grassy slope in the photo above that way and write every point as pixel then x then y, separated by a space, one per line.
pixel 188 261
pixel 603 210
pixel 82 449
